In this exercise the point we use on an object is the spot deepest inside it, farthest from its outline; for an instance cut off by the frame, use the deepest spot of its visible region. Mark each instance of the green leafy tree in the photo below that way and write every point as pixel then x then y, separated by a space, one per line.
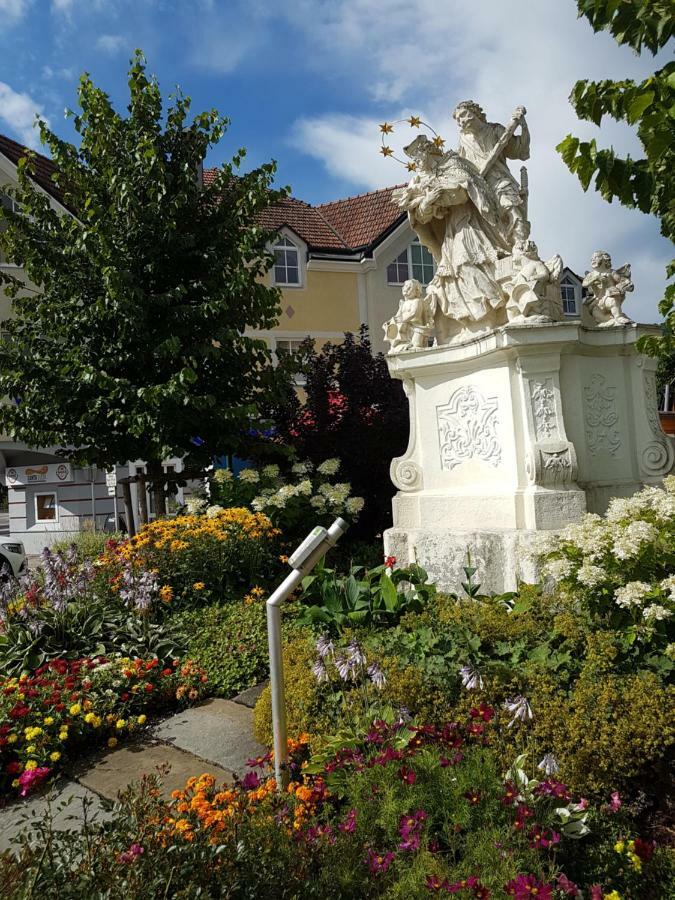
pixel 647 184
pixel 133 346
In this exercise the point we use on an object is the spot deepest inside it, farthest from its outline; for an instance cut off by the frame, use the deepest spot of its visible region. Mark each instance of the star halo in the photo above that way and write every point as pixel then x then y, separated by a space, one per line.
pixel 414 122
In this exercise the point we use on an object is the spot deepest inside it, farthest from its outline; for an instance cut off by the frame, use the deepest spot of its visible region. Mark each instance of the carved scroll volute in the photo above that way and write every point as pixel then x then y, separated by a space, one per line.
pixel 657 456
pixel 405 471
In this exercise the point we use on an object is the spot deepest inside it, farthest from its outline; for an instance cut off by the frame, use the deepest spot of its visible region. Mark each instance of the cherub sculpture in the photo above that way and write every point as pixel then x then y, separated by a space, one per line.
pixel 606 291
pixel 412 324
pixel 534 292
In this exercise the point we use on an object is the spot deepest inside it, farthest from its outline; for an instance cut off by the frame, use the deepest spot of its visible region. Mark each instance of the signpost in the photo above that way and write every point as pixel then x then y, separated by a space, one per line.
pixel 111 485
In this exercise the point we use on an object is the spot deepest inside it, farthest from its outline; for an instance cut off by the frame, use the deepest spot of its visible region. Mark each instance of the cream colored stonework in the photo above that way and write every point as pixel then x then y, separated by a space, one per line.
pixel 520 430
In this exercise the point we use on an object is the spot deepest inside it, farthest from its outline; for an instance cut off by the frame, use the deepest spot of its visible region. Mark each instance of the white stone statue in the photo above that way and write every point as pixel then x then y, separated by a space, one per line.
pixel 534 286
pixel 606 290
pixel 412 325
pixel 471 213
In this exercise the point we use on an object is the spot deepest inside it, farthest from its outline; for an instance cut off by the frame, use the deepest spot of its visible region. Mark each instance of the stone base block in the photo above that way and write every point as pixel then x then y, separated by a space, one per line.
pixel 501 558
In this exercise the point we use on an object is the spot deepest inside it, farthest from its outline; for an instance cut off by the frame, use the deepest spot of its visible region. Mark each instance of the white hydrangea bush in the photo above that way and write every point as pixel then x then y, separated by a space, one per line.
pixel 622 563
pixel 308 496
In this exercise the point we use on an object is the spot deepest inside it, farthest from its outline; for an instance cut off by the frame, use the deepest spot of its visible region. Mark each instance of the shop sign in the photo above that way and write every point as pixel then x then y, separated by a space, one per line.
pixel 40 473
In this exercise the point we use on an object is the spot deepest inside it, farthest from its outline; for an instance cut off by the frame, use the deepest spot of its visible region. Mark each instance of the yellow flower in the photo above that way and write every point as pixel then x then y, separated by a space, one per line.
pixel 63 735
pixel 55 756
pixel 31 749
pixel 636 862
pixel 112 742
pixel 166 593
pixel 75 709
pixel 31 764
pixel 199 585
pixel 614 895
pixel 120 724
pixel 619 846
pixel 49 720
pixel 16 783
pixel 142 719
pixel 12 739
pixel 89 718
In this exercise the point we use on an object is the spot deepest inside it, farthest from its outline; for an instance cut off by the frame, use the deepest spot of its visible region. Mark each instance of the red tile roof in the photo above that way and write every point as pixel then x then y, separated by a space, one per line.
pixel 355 223
pixel 44 167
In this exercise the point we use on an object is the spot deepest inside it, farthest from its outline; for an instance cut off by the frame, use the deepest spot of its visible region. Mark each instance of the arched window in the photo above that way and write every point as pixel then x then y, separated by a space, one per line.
pixel 286 262
pixel 414 262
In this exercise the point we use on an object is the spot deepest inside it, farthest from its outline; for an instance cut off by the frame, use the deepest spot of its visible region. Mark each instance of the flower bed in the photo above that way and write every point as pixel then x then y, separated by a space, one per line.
pixel 67 706
pixel 194 557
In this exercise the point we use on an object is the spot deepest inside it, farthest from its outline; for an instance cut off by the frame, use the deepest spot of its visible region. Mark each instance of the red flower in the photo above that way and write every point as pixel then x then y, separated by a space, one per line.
pixel 644 849
pixel 149 688
pixel 407 775
pixel 390 562
pixel 525 887
pixel 484 712
pixel 13 768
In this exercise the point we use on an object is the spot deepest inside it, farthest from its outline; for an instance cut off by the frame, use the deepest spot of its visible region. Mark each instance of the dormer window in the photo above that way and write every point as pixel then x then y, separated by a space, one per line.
pixel 286 262
pixel 414 262
pixel 570 293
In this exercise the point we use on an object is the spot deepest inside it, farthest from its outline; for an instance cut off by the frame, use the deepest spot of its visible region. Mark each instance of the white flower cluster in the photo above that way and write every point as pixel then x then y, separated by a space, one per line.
pixel 328 467
pixel 632 594
pixel 213 511
pixel 223 476
pixel 631 537
pixel 592 536
pixel 590 575
pixel 249 476
pixel 195 505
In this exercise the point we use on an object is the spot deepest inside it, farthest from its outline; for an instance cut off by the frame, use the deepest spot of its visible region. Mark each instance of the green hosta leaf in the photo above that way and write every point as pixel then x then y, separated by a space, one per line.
pixel 389 593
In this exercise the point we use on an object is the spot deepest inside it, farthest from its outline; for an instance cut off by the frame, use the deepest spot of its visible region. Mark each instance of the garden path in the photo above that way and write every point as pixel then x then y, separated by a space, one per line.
pixel 214 737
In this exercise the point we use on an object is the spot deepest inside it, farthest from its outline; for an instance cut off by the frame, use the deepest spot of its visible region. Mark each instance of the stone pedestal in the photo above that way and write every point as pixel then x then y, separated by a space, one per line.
pixel 520 430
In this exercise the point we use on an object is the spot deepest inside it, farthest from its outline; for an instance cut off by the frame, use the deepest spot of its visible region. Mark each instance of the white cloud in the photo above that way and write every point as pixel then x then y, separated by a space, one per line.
pixel 12 11
pixel 412 54
pixel 111 43
pixel 19 111
pixel 62 6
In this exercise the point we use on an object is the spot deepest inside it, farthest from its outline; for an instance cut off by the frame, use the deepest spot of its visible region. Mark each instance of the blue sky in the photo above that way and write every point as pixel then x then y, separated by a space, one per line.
pixel 307 82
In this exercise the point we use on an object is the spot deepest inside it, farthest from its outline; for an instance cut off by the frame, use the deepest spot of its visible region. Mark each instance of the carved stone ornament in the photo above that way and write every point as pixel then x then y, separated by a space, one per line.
pixel 543 409
pixel 657 457
pixel 467 428
pixel 606 290
pixel 601 417
pixel 407 475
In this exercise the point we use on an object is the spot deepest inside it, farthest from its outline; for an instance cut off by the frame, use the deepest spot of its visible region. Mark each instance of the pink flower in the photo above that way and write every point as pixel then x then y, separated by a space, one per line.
pixel 250 781
pixel 349 824
pixel 566 886
pixel 434 883
pixel 542 839
pixel 407 775
pixel 596 892
pixel 615 802
pixel 130 855
pixel 378 863
pixel 32 778
pixel 524 887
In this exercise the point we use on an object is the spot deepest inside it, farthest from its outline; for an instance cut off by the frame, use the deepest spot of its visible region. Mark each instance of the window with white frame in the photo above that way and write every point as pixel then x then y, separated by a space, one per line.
pixel 8 203
pixel 568 293
pixel 46 507
pixel 286 262
pixel 289 347
pixel 414 262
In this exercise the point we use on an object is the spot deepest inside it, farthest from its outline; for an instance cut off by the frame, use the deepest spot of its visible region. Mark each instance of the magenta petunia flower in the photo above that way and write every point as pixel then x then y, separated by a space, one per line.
pixel 524 887
pixel 32 778
pixel 407 775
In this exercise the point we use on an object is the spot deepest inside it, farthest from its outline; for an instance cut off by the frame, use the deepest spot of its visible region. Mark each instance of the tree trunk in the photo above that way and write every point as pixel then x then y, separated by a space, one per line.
pixel 128 509
pixel 157 477
pixel 142 500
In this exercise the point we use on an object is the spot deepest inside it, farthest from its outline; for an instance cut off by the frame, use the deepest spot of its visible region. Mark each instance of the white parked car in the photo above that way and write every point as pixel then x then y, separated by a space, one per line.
pixel 12 558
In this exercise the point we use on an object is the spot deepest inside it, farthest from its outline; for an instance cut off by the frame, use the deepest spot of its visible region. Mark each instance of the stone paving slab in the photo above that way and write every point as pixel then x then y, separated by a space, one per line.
pixel 114 771
pixel 218 731
pixel 249 697
pixel 70 817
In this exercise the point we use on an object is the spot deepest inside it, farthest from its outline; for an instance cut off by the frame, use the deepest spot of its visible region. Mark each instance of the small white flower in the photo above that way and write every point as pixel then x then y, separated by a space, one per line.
pixel 549 764
pixel 328 467
pixel 590 575
pixel 631 594
pixel 249 476
pixel 258 504
pixel 354 505
pixel 668 586
pixel 222 476
pixel 301 468
pixel 304 488
pixel 655 612
pixel 519 708
pixel 557 568
pixel 195 505
pixel 213 511
pixel 270 471
pixel 319 503
pixel 630 539
pixel 471 677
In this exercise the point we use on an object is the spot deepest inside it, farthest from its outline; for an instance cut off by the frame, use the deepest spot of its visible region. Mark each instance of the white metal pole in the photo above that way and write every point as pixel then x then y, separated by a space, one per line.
pixel 303 561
